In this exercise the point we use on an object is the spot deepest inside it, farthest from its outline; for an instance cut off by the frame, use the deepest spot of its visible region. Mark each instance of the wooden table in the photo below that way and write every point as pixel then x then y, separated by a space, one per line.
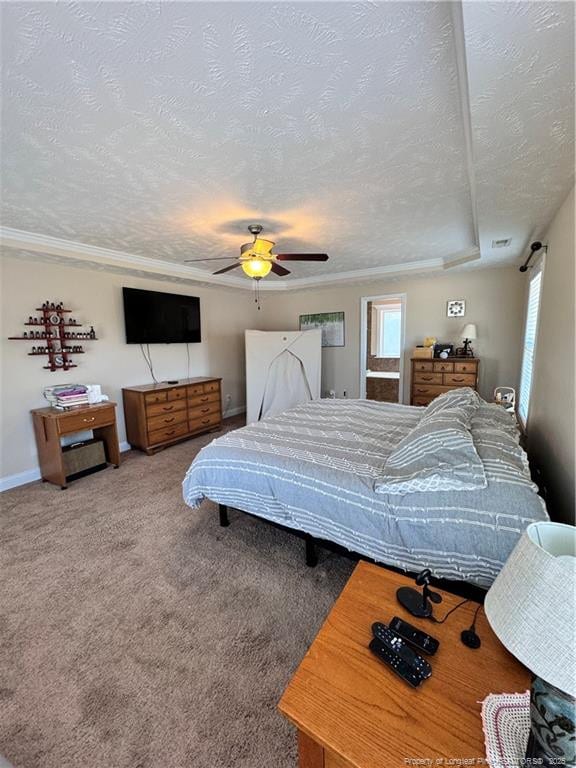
pixel 352 710
pixel 51 424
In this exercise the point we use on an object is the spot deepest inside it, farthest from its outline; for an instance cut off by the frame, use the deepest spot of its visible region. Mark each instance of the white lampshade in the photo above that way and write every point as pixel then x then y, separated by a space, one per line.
pixel 531 606
pixel 469 331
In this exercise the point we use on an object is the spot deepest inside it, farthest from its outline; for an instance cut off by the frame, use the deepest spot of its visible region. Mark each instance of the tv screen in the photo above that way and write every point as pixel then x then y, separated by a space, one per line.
pixel 160 318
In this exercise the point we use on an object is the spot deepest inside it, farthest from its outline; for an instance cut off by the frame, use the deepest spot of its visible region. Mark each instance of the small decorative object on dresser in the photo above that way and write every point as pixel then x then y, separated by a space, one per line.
pixel 431 378
pixel 159 415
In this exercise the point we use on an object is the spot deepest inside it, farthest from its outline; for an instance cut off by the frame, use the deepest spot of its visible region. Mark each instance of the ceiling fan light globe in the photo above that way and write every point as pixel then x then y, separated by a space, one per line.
pixel 256 267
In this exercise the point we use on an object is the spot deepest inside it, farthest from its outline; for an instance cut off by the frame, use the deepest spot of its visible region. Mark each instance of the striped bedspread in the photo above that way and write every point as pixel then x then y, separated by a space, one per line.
pixel 313 468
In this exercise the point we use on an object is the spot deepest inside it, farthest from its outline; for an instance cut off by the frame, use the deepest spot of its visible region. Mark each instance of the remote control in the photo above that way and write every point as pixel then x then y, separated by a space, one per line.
pixel 398 665
pixel 395 643
pixel 416 637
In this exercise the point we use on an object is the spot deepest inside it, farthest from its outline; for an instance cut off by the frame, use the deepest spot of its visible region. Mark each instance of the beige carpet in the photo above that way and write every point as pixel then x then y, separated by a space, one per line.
pixel 137 633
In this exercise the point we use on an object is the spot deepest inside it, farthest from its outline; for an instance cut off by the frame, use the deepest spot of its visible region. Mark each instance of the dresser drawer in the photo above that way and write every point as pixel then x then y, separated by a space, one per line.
pixel 195 389
pixel 212 386
pixel 160 409
pixel 166 434
pixel 210 419
pixel 166 420
pixel 156 397
pixel 422 400
pixel 423 365
pixel 470 367
pixel 86 419
pixel 443 367
pixel 200 411
pixel 177 394
pixel 430 390
pixel 460 379
pixel 427 378
pixel 209 397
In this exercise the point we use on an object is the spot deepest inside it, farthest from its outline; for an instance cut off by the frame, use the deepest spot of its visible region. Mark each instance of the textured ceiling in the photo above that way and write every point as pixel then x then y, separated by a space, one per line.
pixel 163 129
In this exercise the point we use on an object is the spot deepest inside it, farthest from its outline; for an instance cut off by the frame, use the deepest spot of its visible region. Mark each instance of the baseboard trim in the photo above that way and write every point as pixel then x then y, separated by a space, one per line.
pixel 32 475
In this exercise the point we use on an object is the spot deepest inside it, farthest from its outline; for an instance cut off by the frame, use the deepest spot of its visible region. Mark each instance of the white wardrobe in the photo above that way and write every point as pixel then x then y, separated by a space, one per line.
pixel 282 370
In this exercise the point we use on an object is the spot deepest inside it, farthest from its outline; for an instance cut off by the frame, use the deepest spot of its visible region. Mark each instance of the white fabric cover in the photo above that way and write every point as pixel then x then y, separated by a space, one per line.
pixel 282 370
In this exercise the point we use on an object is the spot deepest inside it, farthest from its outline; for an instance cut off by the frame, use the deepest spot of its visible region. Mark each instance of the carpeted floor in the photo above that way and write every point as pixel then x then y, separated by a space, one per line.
pixel 137 633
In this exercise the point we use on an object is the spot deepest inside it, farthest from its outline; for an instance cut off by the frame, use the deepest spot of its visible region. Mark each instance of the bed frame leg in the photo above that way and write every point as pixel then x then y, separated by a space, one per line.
pixel 223 512
pixel 311 556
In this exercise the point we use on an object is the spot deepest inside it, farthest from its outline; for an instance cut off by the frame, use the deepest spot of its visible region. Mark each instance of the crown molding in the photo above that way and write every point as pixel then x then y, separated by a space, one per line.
pixel 81 252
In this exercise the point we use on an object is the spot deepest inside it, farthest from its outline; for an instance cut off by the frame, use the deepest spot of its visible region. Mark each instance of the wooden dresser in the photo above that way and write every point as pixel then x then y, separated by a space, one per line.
pixel 158 415
pixel 431 378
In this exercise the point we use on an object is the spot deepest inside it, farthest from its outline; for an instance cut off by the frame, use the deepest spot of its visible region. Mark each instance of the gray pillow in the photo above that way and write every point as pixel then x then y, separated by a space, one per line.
pixel 437 455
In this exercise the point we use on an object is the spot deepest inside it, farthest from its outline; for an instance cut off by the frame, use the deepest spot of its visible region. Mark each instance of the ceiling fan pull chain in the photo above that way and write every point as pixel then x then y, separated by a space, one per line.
pixel 257 293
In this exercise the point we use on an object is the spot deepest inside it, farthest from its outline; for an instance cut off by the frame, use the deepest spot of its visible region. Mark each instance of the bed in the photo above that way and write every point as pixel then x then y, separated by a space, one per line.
pixel 313 469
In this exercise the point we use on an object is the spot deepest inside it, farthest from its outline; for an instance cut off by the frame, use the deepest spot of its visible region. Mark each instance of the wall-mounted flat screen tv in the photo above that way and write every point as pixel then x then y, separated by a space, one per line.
pixel 152 317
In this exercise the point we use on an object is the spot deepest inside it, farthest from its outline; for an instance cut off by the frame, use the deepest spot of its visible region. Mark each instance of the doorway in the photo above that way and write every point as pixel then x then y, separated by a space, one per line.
pixel 382 331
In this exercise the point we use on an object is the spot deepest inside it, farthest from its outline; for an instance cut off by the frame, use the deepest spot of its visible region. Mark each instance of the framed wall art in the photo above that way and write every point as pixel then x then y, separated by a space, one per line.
pixel 330 323
pixel 456 308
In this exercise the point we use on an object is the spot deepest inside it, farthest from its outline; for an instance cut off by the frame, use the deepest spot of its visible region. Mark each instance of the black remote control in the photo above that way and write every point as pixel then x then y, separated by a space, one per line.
pixel 394 642
pixel 416 637
pixel 398 665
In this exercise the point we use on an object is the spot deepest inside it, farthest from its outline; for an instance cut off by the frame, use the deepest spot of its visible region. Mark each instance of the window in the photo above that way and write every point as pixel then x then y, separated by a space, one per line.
pixel 529 348
pixel 387 330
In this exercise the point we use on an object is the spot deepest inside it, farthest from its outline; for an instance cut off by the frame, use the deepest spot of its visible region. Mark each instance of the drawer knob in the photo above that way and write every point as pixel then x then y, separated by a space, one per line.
pixel 204 399
pixel 167 407
pixel 88 421
pixel 427 378
pixel 170 433
pixel 455 379
pixel 205 410
pixel 206 421
pixel 169 421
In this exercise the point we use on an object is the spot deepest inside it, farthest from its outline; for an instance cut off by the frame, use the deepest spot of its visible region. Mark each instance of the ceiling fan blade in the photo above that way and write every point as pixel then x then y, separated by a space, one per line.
pixel 302 256
pixel 227 269
pixel 210 258
pixel 278 270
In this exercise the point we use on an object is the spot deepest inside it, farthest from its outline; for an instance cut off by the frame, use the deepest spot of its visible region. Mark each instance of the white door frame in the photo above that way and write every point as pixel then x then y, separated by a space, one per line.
pixel 364 300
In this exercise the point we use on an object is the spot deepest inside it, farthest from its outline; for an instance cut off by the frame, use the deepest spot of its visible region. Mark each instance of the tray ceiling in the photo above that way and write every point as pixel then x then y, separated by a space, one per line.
pixel 394 136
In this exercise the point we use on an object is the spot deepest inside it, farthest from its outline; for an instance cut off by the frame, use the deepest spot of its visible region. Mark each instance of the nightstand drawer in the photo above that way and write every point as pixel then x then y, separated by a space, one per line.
pixel 460 379
pixel 428 389
pixel 166 434
pixel 155 397
pixel 166 420
pixel 444 367
pixel 423 365
pixel 428 378
pixel 160 409
pixel 212 386
pixel 77 422
pixel 465 367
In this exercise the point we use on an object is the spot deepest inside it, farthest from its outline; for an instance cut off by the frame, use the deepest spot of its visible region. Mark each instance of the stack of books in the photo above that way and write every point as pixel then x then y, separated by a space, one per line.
pixel 72 398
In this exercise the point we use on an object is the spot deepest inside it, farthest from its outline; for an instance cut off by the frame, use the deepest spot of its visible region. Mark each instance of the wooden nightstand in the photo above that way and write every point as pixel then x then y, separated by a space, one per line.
pixel 351 711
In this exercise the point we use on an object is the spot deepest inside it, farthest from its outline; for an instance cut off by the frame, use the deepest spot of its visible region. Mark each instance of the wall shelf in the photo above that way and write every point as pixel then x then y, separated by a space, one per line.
pixel 57 341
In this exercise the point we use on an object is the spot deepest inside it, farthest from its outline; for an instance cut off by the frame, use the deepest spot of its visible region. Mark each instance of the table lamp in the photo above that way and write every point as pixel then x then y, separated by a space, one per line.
pixel 469 333
pixel 532 609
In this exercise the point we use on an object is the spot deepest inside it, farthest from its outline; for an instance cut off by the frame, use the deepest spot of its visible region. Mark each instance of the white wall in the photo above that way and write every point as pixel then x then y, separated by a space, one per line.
pixel 96 298
pixel 551 416
pixel 494 301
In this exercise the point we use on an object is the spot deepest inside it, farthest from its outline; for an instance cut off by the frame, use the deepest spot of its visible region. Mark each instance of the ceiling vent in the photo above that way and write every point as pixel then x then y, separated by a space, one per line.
pixel 501 243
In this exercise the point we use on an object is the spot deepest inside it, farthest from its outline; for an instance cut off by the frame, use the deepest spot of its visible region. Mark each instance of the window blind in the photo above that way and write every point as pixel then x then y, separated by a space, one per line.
pixel 528 350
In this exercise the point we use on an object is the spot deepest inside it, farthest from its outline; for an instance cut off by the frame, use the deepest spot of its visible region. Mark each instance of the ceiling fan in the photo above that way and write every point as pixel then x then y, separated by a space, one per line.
pixel 257 259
